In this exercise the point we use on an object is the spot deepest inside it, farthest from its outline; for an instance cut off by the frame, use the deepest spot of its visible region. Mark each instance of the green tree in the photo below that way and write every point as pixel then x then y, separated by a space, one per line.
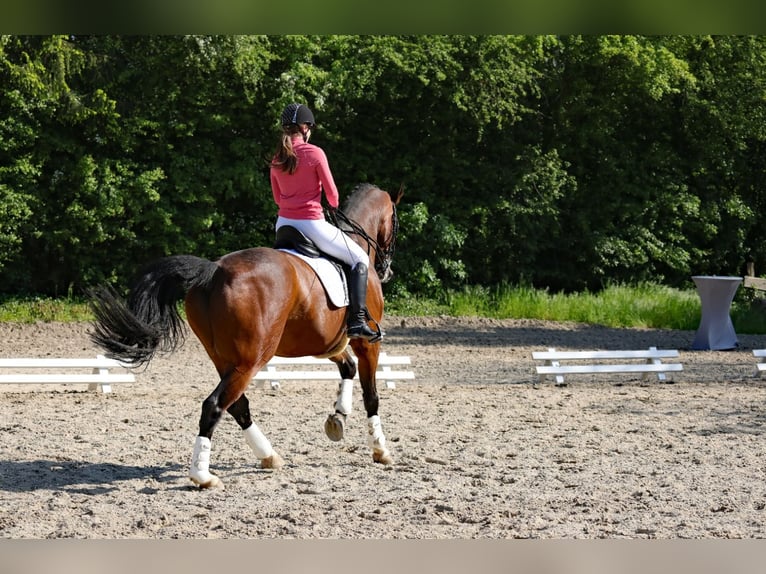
pixel 421 111
pixel 563 162
pixel 137 147
pixel 38 113
pixel 721 137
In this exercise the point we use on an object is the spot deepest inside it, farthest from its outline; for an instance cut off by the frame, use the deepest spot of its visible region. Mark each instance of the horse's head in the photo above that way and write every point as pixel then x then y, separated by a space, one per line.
pixel 374 212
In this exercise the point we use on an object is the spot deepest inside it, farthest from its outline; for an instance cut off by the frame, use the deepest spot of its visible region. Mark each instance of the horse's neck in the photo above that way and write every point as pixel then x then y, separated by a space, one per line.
pixel 365 221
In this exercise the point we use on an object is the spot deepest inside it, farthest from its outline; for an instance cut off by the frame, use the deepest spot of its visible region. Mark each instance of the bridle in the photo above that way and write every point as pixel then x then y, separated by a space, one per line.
pixel 384 256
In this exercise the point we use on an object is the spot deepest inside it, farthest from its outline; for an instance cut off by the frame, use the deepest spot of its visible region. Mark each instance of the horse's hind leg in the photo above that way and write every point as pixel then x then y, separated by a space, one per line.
pixel 227 395
pixel 335 424
pixel 199 473
pixel 257 441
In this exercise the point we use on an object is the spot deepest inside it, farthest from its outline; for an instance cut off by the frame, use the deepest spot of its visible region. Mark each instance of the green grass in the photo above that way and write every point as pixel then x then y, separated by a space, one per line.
pixel 617 306
pixel 639 306
pixel 46 309
pixel 642 306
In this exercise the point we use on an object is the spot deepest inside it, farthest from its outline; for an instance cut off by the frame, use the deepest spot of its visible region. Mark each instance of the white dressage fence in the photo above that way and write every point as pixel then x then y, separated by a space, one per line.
pixel 642 361
pixel 283 369
pixel 760 366
pixel 97 372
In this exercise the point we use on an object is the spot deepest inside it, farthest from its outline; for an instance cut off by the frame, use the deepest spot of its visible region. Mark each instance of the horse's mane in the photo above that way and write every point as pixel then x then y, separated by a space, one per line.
pixel 357 196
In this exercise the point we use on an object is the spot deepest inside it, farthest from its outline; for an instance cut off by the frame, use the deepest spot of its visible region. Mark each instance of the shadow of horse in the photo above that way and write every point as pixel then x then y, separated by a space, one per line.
pixel 79 477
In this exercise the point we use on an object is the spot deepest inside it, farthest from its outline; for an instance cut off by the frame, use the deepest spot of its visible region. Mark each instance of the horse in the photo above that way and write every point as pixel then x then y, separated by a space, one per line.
pixel 247 307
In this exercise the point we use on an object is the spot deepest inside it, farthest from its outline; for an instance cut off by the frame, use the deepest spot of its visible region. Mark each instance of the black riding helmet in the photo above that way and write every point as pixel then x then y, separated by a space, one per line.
pixel 295 114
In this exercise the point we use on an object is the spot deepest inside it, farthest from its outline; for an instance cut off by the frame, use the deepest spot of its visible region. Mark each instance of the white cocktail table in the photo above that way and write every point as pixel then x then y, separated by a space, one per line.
pixel 716 331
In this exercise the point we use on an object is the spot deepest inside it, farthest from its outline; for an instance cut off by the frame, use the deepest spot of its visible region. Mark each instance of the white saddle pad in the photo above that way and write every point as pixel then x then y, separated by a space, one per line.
pixel 333 281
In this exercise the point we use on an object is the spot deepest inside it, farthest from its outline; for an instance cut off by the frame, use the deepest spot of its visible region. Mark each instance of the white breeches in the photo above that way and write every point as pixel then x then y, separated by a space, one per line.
pixel 329 239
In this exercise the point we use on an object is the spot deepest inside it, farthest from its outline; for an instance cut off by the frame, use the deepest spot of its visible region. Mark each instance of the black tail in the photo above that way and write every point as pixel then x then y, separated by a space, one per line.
pixel 149 321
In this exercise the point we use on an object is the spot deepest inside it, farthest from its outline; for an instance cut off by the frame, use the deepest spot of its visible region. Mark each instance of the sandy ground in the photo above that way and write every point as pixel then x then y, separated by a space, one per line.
pixel 482 449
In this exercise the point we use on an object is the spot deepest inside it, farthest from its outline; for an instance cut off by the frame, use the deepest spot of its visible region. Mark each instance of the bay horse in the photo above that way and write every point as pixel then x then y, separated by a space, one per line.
pixel 245 308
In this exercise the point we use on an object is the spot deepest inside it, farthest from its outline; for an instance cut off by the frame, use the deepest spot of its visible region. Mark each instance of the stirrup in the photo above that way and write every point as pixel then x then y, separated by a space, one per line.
pixel 362 330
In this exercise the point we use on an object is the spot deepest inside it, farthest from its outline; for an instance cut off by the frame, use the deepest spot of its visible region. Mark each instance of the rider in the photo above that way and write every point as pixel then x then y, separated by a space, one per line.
pixel 299 174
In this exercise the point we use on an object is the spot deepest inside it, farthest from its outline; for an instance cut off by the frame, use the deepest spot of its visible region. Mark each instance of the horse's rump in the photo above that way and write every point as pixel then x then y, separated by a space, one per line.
pixel 265 297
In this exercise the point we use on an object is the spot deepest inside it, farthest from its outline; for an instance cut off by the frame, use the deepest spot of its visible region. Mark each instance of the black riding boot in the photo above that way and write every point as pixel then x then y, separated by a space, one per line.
pixel 357 294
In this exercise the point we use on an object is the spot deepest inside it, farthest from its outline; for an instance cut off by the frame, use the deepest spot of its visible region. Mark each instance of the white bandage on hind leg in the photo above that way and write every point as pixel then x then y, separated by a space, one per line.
pixel 200 466
pixel 344 402
pixel 375 436
pixel 258 442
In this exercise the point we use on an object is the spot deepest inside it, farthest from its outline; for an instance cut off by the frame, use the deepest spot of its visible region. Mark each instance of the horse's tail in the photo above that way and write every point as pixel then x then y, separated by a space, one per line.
pixel 149 321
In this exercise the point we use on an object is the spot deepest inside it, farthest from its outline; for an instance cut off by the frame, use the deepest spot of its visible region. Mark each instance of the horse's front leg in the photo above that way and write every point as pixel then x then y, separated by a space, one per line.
pixel 335 424
pixel 367 355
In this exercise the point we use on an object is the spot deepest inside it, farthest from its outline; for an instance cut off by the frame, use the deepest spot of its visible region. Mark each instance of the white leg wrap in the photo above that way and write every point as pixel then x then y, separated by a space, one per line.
pixel 375 437
pixel 344 402
pixel 258 442
pixel 200 465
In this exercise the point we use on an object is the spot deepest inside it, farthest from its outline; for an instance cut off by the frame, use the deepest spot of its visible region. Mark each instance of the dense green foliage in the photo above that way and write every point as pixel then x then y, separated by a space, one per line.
pixel 564 163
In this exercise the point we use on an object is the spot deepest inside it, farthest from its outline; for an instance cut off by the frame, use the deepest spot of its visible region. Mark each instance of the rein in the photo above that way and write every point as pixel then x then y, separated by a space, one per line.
pixel 383 257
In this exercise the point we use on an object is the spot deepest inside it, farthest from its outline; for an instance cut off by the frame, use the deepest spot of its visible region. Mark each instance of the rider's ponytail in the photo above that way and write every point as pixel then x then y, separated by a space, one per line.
pixel 285 158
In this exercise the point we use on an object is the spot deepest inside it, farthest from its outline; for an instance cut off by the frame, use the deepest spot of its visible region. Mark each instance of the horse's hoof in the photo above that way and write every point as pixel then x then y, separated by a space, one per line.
pixel 212 482
pixel 274 462
pixel 334 426
pixel 382 457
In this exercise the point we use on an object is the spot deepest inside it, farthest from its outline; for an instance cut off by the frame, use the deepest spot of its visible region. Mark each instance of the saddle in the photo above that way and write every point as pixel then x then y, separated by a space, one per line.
pixel 332 272
pixel 289 237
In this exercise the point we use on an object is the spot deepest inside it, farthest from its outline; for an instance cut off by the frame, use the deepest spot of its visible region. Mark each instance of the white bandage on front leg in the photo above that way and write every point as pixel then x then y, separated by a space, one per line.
pixel 375 437
pixel 344 402
pixel 258 442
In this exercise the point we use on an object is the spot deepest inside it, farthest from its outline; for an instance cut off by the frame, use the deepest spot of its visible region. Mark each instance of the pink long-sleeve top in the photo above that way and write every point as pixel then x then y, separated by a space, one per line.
pixel 299 195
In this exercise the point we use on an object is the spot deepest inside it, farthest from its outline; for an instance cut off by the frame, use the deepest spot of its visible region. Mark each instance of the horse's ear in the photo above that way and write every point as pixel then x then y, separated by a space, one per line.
pixel 397 197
